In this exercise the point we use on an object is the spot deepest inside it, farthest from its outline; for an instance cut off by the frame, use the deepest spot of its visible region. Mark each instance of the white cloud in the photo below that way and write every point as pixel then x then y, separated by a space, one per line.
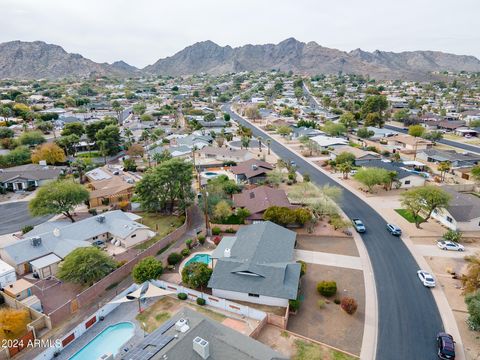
pixel 140 32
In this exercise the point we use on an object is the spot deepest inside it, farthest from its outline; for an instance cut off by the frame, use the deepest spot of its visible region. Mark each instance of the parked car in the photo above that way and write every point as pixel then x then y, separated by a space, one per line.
pixel 394 230
pixel 450 245
pixel 358 225
pixel 426 278
pixel 445 346
pixel 99 244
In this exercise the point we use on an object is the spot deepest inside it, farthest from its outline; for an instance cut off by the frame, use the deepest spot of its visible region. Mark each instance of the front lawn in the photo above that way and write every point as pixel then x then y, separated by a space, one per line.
pixel 161 224
pixel 407 215
pixel 309 350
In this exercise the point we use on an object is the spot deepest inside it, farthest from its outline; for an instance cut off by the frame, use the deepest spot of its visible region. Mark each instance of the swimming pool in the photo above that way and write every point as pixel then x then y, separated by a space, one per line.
pixel 108 341
pixel 204 258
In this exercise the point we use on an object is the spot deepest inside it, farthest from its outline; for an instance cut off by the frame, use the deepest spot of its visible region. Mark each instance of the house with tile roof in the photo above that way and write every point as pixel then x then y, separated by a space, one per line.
pixel 251 171
pixel 257 265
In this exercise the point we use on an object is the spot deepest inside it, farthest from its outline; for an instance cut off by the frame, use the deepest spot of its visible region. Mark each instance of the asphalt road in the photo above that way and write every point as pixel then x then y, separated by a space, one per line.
pixel 15 215
pixel 407 313
pixel 456 144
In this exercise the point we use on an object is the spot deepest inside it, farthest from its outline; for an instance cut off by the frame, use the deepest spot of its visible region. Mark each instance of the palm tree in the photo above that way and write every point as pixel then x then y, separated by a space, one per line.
pixel 259 139
pixel 269 142
pixel 444 167
pixel 344 168
pixel 129 135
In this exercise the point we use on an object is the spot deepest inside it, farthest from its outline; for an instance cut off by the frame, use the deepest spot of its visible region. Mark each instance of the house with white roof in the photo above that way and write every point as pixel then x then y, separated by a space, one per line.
pixel 49 243
pixel 326 142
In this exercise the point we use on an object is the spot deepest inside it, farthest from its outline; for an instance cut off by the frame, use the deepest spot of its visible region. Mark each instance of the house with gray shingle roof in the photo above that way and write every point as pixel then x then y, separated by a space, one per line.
pixel 463 212
pixel 61 238
pixel 257 265
pixel 28 176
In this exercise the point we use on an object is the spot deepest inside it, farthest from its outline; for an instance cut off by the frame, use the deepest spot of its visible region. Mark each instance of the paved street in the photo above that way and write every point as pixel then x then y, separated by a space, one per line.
pixel 15 215
pixel 408 315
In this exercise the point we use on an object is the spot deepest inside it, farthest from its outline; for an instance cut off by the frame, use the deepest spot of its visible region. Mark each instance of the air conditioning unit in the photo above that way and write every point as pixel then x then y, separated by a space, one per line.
pixel 107 356
pixel 36 241
pixel 101 218
pixel 201 347
pixel 227 253
pixel 182 325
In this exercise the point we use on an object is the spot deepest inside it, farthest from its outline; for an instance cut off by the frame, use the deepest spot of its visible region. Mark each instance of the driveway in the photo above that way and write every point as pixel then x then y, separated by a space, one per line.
pixel 434 250
pixel 408 315
pixel 15 215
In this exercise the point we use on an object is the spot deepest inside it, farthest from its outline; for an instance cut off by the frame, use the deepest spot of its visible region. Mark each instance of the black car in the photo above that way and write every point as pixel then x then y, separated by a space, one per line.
pixel 445 346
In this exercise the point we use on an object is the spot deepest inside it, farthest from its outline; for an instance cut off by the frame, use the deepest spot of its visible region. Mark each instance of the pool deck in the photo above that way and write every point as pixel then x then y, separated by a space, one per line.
pixel 124 312
pixel 191 256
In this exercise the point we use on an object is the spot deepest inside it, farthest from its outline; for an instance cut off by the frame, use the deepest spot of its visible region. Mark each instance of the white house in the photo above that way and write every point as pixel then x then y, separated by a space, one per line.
pixel 326 142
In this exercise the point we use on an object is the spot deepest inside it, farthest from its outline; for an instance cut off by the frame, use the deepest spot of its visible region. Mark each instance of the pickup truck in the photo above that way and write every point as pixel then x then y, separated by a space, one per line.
pixel 358 225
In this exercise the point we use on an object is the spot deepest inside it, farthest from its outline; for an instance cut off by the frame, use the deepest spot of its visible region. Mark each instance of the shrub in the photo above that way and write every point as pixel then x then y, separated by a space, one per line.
pixel 230 231
pixel 452 235
pixel 92 212
pixel 337 301
pixel 349 305
pixel 121 263
pixel 321 303
pixel 294 304
pixel 201 239
pixel 217 239
pixel 185 252
pixel 27 228
pixel 189 243
pixel 147 269
pixel 327 288
pixel 182 296
pixel 303 267
pixel 174 258
pixel 216 230
pixel 201 301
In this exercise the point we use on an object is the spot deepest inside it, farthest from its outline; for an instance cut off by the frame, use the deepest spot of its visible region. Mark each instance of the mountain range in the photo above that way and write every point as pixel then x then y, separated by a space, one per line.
pixel 35 60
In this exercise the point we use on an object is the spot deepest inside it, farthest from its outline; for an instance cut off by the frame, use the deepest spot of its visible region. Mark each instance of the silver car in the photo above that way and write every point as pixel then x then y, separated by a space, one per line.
pixel 450 245
pixel 426 278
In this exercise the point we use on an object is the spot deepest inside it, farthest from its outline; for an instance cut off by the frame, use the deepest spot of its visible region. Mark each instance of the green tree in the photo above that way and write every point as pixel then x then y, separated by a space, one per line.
pixel 453 235
pixel 139 108
pixel 222 210
pixel 5 132
pixel 92 128
pixel 344 168
pixel 147 269
pixel 67 143
pixel 371 176
pixel 334 129
pixel 374 104
pixel 58 197
pixel 345 157
pixel 110 136
pixel 86 266
pixel 275 177
pixel 424 200
pixel 475 172
pixel 364 133
pixel 209 117
pixel 117 108
pixel 76 128
pixel 166 185
pixel 284 130
pixel 280 215
pixel 444 167
pixel 196 275
pixel 416 131
pixel 162 156
pixel 348 120
pixel 401 115
pixel 226 116
pixel 31 138
pixel 374 119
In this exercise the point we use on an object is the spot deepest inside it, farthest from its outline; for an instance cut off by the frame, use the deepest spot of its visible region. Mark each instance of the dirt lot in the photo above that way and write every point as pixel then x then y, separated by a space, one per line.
pixel 297 348
pixel 333 245
pixel 330 324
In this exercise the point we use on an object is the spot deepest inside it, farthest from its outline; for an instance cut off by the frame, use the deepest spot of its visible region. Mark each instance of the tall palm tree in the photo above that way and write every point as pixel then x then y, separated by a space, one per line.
pixel 259 139
pixel 269 142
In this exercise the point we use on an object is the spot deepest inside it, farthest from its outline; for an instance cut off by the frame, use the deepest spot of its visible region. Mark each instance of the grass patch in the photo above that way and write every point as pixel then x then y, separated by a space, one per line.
pixel 407 215
pixel 152 318
pixel 284 334
pixel 211 314
pixel 161 224
pixel 307 350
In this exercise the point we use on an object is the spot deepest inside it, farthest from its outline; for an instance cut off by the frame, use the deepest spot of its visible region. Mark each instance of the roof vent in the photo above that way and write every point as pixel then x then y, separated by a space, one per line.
pixel 252 195
pixel 56 232
pixel 101 218
pixel 254 167
pixel 36 241
pixel 182 325
pixel 201 347
pixel 227 253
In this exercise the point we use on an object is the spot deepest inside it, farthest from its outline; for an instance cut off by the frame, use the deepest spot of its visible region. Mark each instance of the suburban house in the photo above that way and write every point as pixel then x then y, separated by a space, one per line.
pixel 463 212
pixel 450 125
pixel 109 186
pixel 192 335
pixel 457 160
pixel 198 141
pixel 28 177
pixel 257 265
pixel 405 179
pixel 326 142
pixel 48 243
pixel 298 132
pixel 259 199
pixel 361 156
pixel 217 123
pixel 380 133
pixel 251 171
pixel 409 143
pixel 224 154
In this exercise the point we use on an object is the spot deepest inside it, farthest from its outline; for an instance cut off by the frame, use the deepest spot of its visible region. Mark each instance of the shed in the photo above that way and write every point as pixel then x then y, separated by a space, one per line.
pixel 46 265
pixel 19 290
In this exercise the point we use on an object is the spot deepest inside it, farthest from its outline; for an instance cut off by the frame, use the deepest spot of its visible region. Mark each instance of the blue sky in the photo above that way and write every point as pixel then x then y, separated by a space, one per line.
pixel 142 31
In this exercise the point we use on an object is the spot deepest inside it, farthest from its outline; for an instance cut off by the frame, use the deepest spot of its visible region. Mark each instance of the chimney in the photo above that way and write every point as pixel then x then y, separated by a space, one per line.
pixel 227 253
pixel 201 347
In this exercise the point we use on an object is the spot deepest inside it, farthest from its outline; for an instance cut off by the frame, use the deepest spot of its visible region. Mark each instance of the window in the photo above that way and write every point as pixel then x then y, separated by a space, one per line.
pixel 407 182
pixel 449 219
pixel 134 235
pixel 253 295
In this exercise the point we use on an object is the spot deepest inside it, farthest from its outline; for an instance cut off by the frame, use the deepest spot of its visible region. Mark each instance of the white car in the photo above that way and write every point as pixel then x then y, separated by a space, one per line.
pixel 450 245
pixel 426 278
